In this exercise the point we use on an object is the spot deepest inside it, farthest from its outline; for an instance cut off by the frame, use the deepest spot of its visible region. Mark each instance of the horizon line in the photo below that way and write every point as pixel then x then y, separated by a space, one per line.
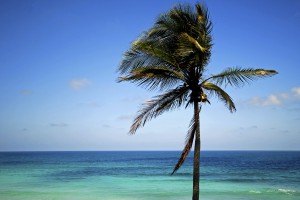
pixel 262 150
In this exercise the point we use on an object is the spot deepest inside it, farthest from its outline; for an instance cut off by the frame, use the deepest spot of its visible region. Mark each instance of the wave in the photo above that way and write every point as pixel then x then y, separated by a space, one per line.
pixel 287 191
pixel 275 191
pixel 255 191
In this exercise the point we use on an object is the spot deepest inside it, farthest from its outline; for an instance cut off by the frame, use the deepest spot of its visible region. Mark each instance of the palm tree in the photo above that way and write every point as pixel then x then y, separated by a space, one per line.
pixel 173 57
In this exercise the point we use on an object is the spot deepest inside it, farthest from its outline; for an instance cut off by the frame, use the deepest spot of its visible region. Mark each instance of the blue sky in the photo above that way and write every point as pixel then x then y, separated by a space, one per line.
pixel 58 88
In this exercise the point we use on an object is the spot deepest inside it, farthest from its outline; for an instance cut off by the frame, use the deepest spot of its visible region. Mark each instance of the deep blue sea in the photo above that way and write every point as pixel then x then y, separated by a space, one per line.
pixel 145 175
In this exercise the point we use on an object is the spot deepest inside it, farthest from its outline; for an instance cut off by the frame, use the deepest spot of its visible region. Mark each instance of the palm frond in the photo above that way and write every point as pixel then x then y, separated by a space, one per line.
pixel 187 45
pixel 221 94
pixel 154 77
pixel 188 145
pixel 181 27
pixel 146 51
pixel 158 48
pixel 184 18
pixel 159 104
pixel 133 59
pixel 203 18
pixel 238 76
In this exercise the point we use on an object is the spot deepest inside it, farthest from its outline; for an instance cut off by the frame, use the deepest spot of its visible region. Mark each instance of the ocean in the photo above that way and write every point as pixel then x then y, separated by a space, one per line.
pixel 145 175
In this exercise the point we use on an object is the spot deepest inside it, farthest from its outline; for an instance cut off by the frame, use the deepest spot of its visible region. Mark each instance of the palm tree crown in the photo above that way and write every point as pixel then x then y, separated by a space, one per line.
pixel 173 57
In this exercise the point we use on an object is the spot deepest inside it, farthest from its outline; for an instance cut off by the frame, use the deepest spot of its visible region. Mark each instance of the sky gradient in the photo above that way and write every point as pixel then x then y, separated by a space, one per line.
pixel 58 89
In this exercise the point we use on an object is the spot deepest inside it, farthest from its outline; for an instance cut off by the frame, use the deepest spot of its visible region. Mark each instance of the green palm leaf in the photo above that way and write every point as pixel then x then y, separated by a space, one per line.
pixel 158 105
pixel 158 48
pixel 221 94
pixel 188 145
pixel 238 76
pixel 134 59
pixel 154 77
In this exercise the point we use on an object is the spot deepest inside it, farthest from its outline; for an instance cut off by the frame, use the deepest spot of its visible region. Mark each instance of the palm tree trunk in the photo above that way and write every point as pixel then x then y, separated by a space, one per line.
pixel 196 175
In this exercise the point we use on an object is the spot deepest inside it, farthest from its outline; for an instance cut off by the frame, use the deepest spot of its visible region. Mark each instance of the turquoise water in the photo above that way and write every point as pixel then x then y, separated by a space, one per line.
pixel 243 175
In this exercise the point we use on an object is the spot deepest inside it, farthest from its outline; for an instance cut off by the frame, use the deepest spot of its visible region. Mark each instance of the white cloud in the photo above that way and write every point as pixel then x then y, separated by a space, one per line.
pixel 78 84
pixel 272 100
pixel 277 99
pixel 296 91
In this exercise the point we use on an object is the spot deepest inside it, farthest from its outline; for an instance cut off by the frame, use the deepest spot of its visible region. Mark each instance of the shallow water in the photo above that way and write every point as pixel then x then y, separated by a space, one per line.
pixel 240 175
